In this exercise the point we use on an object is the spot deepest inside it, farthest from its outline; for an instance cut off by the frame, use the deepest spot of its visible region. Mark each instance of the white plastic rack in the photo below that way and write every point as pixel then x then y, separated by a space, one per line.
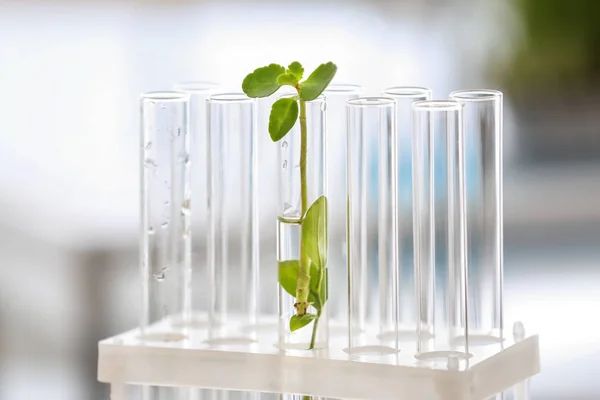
pixel 262 367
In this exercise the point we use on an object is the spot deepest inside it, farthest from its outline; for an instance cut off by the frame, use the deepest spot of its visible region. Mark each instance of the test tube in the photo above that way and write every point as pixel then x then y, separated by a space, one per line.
pixel 521 391
pixel 233 233
pixel 198 91
pixel 372 228
pixel 440 231
pixel 482 120
pixel 165 252
pixel 404 97
pixel 302 185
pixel 337 95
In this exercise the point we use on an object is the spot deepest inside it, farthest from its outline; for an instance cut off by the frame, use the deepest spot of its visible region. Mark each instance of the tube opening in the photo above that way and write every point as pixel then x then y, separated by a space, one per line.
pixel 229 98
pixel 196 86
pixel 343 88
pixel 437 105
pixel 371 102
pixel 407 91
pixel 165 96
pixel 476 95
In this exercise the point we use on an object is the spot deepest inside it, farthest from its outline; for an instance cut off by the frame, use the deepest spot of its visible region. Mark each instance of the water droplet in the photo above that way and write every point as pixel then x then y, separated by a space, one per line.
pixel 297 166
pixel 162 106
pixel 164 225
pixel 150 163
pixel 151 231
pixel 284 144
pixel 160 276
pixel 324 106
pixel 148 145
pixel 167 203
pixel 178 131
pixel 285 164
pixel 183 158
pixel 185 207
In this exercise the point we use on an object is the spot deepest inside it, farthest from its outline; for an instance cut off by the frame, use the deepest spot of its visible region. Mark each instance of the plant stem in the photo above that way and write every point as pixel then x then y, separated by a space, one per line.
pixel 303 156
pixel 304 264
pixel 302 288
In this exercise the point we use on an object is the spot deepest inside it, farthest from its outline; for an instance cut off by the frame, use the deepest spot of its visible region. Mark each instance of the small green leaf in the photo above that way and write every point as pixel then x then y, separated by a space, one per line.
pixel 314 232
pixel 263 81
pixel 297 322
pixel 297 69
pixel 287 79
pixel 284 114
pixel 314 85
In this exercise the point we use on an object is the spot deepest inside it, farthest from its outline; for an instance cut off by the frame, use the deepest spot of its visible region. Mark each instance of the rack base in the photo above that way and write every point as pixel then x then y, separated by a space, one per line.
pixel 262 367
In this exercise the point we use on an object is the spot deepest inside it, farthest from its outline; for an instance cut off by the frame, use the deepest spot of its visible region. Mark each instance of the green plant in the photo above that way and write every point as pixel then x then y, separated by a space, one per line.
pixel 306 278
pixel 558 47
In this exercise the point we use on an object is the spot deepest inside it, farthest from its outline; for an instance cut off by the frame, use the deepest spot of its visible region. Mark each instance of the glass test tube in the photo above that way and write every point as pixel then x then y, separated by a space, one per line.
pixel 233 233
pixel 404 97
pixel 165 251
pixel 337 95
pixel 290 225
pixel 372 227
pixel 521 391
pixel 198 91
pixel 482 120
pixel 440 231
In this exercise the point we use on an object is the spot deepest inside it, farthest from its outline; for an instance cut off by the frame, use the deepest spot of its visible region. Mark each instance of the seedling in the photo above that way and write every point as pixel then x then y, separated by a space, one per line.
pixel 306 278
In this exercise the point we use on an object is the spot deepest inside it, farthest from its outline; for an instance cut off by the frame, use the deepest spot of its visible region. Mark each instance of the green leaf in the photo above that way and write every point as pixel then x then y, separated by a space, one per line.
pixel 263 81
pixel 315 277
pixel 288 275
pixel 318 287
pixel 314 232
pixel 288 279
pixel 287 79
pixel 284 114
pixel 314 85
pixel 314 284
pixel 297 322
pixel 296 69
pixel 324 292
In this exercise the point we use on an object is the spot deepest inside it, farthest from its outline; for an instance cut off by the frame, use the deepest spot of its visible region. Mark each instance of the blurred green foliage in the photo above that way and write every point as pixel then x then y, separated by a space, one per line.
pixel 560 47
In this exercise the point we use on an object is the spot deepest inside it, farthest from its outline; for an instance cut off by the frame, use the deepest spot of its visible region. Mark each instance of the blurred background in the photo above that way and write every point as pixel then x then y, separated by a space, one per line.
pixel 70 77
